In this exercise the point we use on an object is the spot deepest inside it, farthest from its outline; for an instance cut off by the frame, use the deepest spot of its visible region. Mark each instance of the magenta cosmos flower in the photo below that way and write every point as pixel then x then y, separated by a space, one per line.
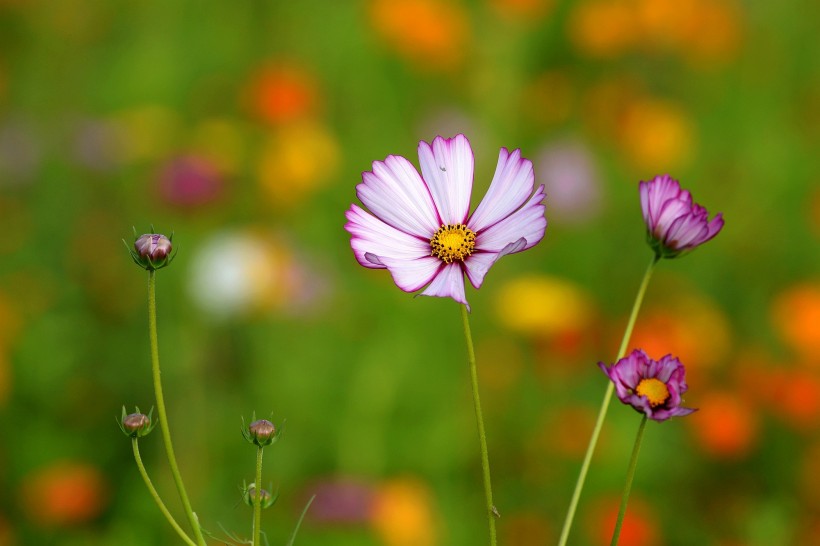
pixel 651 387
pixel 674 223
pixel 419 227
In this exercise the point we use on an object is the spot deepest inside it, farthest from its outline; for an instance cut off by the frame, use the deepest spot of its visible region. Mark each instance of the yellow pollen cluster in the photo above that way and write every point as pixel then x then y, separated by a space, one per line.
pixel 654 389
pixel 452 242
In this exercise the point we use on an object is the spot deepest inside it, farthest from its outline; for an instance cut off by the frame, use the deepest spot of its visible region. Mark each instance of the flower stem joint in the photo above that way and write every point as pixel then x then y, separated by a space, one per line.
pixel 152 251
pixel 136 425
pixel 261 433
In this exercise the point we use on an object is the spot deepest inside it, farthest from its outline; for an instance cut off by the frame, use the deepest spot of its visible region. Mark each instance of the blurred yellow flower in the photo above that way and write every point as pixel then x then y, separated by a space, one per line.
pixel 431 34
pixel 296 161
pixel 656 135
pixel 402 513
pixel 543 306
pixel 796 316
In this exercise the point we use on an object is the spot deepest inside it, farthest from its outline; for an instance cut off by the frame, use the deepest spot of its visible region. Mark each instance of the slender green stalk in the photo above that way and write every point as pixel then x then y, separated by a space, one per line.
pixel 257 500
pixel 593 440
pixel 492 513
pixel 163 419
pixel 630 475
pixel 156 497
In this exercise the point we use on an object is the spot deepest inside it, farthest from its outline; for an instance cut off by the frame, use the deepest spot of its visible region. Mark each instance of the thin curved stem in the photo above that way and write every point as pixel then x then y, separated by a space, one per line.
pixel 492 512
pixel 257 500
pixel 163 419
pixel 630 475
pixel 593 440
pixel 156 497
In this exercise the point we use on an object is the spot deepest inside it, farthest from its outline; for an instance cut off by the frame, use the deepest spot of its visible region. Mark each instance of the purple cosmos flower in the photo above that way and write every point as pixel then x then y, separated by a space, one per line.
pixel 419 227
pixel 674 223
pixel 651 387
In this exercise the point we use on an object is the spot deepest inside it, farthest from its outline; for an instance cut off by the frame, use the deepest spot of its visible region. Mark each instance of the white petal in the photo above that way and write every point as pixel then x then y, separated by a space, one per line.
pixel 447 168
pixel 397 195
pixel 511 185
pixel 479 263
pixel 528 222
pixel 369 235
pixel 449 283
pixel 412 275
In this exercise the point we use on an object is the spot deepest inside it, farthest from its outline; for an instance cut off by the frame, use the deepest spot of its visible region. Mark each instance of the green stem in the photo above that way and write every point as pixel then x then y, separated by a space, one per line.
pixel 163 419
pixel 257 500
pixel 492 512
pixel 155 495
pixel 630 475
pixel 593 440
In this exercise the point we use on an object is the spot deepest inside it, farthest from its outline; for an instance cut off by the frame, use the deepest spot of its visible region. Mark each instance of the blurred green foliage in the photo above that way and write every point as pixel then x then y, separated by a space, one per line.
pixel 244 127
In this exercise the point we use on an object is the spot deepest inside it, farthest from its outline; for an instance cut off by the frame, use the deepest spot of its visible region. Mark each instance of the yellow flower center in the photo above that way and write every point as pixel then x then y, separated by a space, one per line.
pixel 655 391
pixel 452 242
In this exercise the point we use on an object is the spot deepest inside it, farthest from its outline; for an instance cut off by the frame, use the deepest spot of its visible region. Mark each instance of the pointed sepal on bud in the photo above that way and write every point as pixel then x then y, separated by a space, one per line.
pixel 261 432
pixel 266 499
pixel 136 425
pixel 151 251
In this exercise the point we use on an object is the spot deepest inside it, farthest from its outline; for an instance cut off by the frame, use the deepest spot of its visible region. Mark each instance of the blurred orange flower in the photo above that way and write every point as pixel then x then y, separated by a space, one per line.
pixel 639 526
pixel 690 327
pixel 281 94
pixel 7 537
pixel 431 34
pixel 402 513
pixel 65 493
pixel 701 31
pixel 602 28
pixel 726 426
pixel 796 316
pixel 657 135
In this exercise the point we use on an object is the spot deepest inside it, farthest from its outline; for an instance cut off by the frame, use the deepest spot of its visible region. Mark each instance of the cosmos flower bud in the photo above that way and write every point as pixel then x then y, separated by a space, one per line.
pixel 266 499
pixel 261 433
pixel 674 223
pixel 136 425
pixel 152 251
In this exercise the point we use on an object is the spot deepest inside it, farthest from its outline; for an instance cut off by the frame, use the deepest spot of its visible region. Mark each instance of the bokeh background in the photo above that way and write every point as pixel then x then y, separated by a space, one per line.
pixel 244 127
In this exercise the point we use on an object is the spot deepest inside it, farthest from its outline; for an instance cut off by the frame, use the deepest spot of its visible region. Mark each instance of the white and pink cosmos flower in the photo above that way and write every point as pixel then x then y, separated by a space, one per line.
pixel 674 223
pixel 420 228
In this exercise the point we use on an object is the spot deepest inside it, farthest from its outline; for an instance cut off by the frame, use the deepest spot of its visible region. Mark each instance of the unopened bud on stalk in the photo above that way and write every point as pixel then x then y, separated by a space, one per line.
pixel 136 425
pixel 152 251
pixel 266 499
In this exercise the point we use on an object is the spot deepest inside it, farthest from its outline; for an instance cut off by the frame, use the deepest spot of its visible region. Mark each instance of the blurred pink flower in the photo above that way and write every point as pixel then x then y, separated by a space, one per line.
pixel 420 230
pixel 570 177
pixel 189 181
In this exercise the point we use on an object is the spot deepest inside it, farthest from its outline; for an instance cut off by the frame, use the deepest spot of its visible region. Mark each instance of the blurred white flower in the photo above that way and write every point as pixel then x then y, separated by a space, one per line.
pixel 243 273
